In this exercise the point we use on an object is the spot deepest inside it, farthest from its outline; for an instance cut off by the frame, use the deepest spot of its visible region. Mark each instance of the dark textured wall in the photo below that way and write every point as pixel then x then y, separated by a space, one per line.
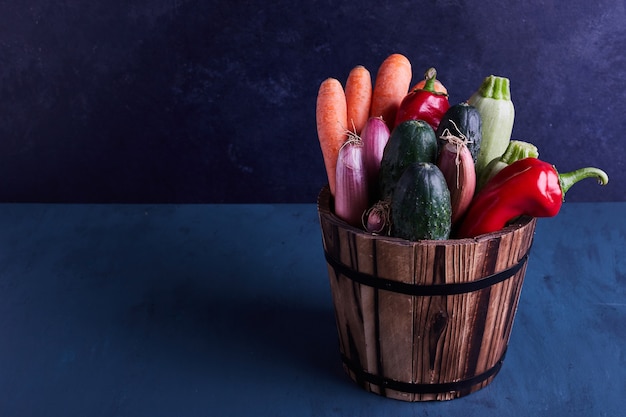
pixel 213 101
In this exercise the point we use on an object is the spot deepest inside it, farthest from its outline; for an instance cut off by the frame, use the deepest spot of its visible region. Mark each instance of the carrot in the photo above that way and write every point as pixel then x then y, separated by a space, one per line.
pixel 358 97
pixel 392 84
pixel 331 118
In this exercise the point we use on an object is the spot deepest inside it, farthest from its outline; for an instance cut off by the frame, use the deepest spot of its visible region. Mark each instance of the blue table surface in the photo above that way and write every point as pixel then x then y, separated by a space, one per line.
pixel 225 310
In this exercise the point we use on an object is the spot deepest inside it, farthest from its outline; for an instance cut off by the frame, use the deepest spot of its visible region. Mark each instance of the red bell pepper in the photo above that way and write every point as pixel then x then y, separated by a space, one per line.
pixel 425 103
pixel 529 187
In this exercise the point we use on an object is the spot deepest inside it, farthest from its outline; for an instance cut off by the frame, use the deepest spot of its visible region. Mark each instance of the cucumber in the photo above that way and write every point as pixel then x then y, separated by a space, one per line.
pixel 420 205
pixel 411 141
pixel 463 121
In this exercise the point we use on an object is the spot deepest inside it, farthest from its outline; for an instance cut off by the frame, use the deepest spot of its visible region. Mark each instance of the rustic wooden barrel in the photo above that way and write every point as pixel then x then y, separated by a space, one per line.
pixel 426 320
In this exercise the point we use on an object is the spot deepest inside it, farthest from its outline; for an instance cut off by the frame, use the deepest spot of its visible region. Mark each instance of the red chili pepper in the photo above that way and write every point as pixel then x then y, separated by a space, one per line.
pixel 529 187
pixel 424 103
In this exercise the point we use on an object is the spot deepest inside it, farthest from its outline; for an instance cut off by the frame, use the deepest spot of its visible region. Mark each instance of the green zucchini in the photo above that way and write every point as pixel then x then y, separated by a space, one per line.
pixel 411 141
pixel 420 205
pixel 516 150
pixel 493 101
pixel 464 122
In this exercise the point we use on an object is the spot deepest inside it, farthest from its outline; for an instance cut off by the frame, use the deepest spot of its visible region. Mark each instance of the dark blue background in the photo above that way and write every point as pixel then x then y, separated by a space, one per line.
pixel 213 101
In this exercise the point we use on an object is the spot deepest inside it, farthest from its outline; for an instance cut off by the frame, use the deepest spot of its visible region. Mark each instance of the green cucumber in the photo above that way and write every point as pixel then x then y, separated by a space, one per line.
pixel 462 121
pixel 420 205
pixel 493 101
pixel 411 141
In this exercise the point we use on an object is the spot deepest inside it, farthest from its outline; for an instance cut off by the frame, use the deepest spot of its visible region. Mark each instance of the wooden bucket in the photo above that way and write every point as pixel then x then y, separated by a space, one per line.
pixel 427 320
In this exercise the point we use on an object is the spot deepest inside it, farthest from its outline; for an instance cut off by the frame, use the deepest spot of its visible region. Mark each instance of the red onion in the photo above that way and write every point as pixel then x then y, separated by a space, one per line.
pixel 351 190
pixel 374 135
pixel 376 218
pixel 457 165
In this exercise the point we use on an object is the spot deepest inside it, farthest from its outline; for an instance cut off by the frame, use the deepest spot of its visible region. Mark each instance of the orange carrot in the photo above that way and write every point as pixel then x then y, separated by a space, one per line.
pixel 358 97
pixel 332 119
pixel 391 85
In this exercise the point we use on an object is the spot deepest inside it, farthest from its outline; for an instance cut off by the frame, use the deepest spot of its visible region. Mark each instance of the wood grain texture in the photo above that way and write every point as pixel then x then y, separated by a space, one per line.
pixel 416 339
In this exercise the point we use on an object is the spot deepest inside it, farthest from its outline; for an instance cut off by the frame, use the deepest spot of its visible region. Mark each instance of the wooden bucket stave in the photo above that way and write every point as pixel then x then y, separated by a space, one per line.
pixel 428 320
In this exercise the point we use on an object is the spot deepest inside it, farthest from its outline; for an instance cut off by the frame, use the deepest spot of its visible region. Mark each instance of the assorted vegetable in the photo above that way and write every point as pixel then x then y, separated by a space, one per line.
pixel 424 103
pixel 438 86
pixel 375 136
pixel 358 98
pixel 529 187
pixel 376 218
pixel 331 119
pixel 351 192
pixel 411 141
pixel 420 206
pixel 406 163
pixel 464 121
pixel 493 102
pixel 516 150
pixel 390 87
pixel 457 165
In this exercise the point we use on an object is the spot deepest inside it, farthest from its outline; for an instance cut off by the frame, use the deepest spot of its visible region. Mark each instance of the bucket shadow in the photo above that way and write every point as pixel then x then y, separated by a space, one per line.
pixel 197 327
pixel 298 337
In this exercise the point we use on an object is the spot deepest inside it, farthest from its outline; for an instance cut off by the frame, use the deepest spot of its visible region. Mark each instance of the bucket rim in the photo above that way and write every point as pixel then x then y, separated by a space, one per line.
pixel 324 205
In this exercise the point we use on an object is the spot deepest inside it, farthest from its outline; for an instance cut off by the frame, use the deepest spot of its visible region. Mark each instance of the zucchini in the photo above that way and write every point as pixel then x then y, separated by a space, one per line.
pixel 463 121
pixel 411 141
pixel 420 205
pixel 516 150
pixel 493 101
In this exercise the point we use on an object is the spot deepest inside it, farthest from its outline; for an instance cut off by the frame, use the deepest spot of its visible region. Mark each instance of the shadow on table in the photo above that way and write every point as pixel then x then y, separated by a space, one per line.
pixel 287 335
pixel 218 330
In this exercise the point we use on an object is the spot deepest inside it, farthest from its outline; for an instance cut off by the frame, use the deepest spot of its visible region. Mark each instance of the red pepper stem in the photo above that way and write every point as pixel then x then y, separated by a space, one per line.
pixel 430 76
pixel 570 178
